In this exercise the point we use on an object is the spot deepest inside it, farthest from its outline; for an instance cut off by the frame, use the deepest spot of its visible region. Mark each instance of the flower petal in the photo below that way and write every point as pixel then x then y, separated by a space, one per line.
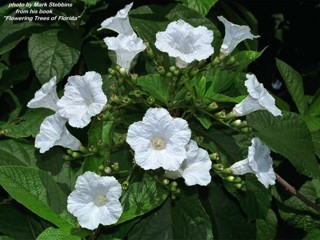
pixel 83 98
pixel 46 96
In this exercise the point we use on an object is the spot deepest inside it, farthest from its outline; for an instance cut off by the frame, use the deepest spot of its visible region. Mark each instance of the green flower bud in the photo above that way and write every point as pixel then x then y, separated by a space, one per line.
pixel 151 100
pixel 198 103
pixel 113 87
pixel 229 116
pixel 69 151
pixel 174 184
pixel 173 188
pixel 83 149
pixel 76 155
pixel 188 97
pixel 125 185
pixel 161 70
pixel 115 166
pixel 229 178
pixel 165 181
pixel 217 167
pixel 220 115
pixel 134 78
pixel 212 106
pixel 237 185
pixel 137 93
pixel 114 98
pixel 176 72
pixel 150 52
pixel 67 158
pixel 108 170
pixel 173 68
pixel 169 74
pixel 236 123
pixel 244 123
pixel 126 100
pixel 238 180
pixel 227 170
pixel 214 156
pixel 112 72
pixel 245 129
pixel 93 149
pixel 231 60
pixel 178 191
pixel 101 168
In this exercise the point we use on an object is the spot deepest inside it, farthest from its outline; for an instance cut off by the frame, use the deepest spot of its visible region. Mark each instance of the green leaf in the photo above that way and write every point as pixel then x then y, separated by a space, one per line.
pixel 316 142
pixel 141 197
pixel 293 81
pixel 18 224
pixel 6 238
pixel 296 213
pixel 54 53
pixel 156 225
pixel 201 6
pixel 66 233
pixel 9 46
pixel 26 125
pixel 245 58
pixel 155 85
pixel 226 213
pixel 223 98
pixel 17 73
pixel 314 108
pixel 36 190
pixel 288 136
pixel 200 84
pixel 205 122
pixel 190 221
pixel 16 153
pixel 119 231
pixel 313 234
pixel 221 80
pixel 267 227
pixel 256 200
pixel 312 122
pixel 90 2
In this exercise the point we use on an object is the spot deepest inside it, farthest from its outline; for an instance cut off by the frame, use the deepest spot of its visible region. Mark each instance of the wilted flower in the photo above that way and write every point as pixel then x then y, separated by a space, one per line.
pixel 258 162
pixel 159 140
pixel 83 98
pixel 53 132
pixel 185 43
pixel 126 48
pixel 234 34
pixel 46 96
pixel 258 99
pixel 119 23
pixel 195 169
pixel 95 200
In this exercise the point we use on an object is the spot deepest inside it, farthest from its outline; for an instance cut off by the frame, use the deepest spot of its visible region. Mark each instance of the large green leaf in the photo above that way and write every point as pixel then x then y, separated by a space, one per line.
pixel 54 53
pixel 293 81
pixel 314 108
pixel 190 221
pixel 288 136
pixel 141 197
pixel 267 227
pixel 316 142
pixel 226 213
pixel 26 125
pixel 313 234
pixel 155 85
pixel 66 233
pixel 296 213
pixel 18 224
pixel 245 58
pixel 36 190
pixel 201 6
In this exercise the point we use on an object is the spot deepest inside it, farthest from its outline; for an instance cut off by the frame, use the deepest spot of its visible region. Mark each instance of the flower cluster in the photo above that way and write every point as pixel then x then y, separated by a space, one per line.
pixel 83 98
pixel 160 141
pixel 127 44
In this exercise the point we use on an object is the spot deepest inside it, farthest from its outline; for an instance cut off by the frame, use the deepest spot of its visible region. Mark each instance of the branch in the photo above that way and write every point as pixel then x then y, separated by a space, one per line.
pixel 295 193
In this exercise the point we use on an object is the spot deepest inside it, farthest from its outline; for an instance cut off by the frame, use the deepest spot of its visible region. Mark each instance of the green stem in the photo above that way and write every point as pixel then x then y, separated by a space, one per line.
pixel 13 97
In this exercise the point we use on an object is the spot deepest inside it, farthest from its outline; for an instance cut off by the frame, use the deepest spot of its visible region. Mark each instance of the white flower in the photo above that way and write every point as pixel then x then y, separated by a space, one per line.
pixel 258 162
pixel 53 132
pixel 258 99
pixel 119 23
pixel 126 48
pixel 46 96
pixel 83 98
pixel 234 34
pixel 195 169
pixel 185 43
pixel 95 200
pixel 159 140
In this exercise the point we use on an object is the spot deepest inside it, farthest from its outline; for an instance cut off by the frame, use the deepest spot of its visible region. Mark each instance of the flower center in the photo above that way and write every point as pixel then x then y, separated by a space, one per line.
pixel 100 200
pixel 158 143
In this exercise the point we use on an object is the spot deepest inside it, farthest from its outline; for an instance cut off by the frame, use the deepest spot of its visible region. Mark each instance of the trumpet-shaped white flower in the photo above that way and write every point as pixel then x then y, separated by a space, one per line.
pixel 126 48
pixel 53 132
pixel 119 23
pixel 159 140
pixel 258 162
pixel 185 43
pixel 83 98
pixel 258 99
pixel 195 169
pixel 46 96
pixel 95 200
pixel 234 34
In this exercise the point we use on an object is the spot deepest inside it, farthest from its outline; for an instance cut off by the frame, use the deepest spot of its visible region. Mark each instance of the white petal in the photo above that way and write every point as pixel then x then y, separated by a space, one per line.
pixel 185 43
pixel 83 98
pixel 53 132
pixel 241 167
pixel 157 123
pixel 173 174
pixel 81 202
pixel 234 34
pixel 119 23
pixel 46 96
pixel 126 48
pixel 258 99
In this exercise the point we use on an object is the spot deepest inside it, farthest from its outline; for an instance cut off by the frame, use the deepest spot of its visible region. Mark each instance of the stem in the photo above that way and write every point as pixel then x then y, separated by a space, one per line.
pixel 295 193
